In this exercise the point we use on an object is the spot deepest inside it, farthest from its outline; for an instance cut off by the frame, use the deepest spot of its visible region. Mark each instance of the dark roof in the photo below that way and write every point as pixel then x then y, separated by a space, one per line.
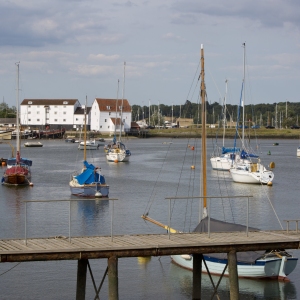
pixel 111 103
pixel 49 102
pixel 135 125
pixel 80 110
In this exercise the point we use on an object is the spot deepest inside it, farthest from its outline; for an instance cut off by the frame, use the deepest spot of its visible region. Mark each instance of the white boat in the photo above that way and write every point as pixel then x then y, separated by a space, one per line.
pixel 33 144
pixel 90 145
pixel 225 160
pixel 89 182
pixel 298 151
pixel 249 169
pixel 117 151
pixel 18 171
pixel 251 264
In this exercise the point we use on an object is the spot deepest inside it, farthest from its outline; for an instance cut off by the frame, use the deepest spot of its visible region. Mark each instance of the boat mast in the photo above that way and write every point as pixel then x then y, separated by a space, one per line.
pixel 18 122
pixel 123 93
pixel 203 106
pixel 117 109
pixel 224 113
pixel 243 126
pixel 84 136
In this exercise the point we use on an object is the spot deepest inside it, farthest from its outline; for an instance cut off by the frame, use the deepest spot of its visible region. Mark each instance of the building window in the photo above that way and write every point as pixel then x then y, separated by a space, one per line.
pixel 55 120
pixel 105 120
pixel 65 102
pixel 29 112
pixel 64 106
pixel 38 112
pixel 109 113
pixel 64 112
pixel 55 112
pixel 120 107
pixel 38 106
pixel 38 120
pixel 76 119
pixel 107 107
pixel 29 102
pixel 29 120
pixel 100 126
pixel 29 106
pixel 55 105
pixel 64 120
pixel 107 126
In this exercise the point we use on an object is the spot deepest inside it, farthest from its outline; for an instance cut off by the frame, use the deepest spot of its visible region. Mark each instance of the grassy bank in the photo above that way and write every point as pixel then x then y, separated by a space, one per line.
pixel 262 133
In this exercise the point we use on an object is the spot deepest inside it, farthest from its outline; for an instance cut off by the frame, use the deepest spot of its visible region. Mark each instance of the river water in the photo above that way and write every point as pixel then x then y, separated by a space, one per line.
pixel 158 168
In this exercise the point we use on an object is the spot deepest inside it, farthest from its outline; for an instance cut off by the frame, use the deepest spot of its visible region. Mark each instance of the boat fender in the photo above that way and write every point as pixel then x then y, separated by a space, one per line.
pixel 272 165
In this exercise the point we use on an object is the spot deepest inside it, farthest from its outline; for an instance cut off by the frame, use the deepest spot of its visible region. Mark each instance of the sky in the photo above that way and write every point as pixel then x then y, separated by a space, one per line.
pixel 73 49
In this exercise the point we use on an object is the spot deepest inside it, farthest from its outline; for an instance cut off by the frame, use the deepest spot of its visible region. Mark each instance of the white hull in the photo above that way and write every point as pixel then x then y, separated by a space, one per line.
pixel 251 173
pixel 298 151
pixel 115 155
pixel 90 145
pixel 221 163
pixel 263 268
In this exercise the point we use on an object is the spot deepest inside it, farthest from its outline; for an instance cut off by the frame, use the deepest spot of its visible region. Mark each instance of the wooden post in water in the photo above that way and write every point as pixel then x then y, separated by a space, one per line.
pixel 113 289
pixel 233 275
pixel 81 279
pixel 197 271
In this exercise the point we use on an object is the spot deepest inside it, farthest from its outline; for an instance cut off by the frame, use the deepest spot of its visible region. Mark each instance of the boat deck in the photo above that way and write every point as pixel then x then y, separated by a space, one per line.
pixel 63 248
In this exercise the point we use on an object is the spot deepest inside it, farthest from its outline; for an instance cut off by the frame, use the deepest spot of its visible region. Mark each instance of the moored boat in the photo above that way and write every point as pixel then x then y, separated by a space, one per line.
pixel 33 144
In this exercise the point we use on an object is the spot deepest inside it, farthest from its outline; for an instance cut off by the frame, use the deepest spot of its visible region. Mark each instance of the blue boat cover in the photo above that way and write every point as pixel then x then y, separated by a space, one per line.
pixel 230 150
pixel 89 175
pixel 245 154
pixel 24 161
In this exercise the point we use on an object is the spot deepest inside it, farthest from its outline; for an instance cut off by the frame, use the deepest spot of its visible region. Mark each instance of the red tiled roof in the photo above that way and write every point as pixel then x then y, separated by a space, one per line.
pixel 110 105
pixel 49 102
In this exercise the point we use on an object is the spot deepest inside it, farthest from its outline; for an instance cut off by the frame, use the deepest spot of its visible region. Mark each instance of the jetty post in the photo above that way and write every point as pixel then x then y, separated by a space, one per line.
pixel 197 276
pixel 233 275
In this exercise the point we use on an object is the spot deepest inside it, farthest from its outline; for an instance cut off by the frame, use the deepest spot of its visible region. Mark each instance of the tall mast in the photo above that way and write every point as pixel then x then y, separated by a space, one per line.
pixel 116 109
pixel 203 106
pixel 224 113
pixel 123 93
pixel 84 137
pixel 243 126
pixel 18 122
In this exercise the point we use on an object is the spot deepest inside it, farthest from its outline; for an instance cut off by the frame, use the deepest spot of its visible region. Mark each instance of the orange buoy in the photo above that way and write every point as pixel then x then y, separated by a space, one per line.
pixel 193 167
pixel 30 184
pixel 193 148
pixel 3 164
pixel 116 161
pixel 269 183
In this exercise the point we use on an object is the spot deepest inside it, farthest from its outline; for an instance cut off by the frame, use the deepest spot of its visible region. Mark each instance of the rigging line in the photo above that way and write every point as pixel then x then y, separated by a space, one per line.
pixel 214 82
pixel 10 269
pixel 150 202
pixel 193 80
pixel 180 174
pixel 189 189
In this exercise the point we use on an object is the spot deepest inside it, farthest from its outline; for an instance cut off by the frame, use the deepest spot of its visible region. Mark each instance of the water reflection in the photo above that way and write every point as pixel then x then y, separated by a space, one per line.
pixel 252 289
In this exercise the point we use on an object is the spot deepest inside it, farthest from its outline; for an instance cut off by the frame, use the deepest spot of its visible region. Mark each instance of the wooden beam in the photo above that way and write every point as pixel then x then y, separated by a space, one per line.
pixel 81 279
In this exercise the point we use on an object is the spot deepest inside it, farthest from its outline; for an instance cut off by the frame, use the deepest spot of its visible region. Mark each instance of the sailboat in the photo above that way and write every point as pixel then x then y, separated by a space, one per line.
pixel 18 171
pixel 252 264
pixel 249 169
pixel 89 182
pixel 117 151
pixel 228 156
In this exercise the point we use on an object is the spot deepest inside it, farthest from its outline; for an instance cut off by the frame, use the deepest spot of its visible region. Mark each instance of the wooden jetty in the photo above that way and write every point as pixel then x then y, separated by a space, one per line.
pixel 118 246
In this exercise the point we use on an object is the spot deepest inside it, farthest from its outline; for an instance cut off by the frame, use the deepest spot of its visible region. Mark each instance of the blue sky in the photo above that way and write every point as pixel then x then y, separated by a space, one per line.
pixel 73 48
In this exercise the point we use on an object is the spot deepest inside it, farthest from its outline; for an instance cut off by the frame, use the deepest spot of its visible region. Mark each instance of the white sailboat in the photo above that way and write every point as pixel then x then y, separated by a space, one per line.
pixel 252 264
pixel 225 160
pixel 249 169
pixel 117 151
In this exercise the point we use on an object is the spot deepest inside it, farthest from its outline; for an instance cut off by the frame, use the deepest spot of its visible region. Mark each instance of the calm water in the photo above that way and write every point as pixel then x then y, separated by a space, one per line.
pixel 156 170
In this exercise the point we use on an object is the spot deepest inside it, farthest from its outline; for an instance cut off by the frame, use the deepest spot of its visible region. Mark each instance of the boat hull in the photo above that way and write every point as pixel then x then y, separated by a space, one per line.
pixel 16 175
pixel 120 156
pixel 243 176
pixel 220 163
pixel 273 268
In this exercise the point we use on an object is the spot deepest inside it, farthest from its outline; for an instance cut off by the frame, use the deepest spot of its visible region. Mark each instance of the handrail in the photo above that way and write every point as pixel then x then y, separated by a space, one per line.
pixel 68 200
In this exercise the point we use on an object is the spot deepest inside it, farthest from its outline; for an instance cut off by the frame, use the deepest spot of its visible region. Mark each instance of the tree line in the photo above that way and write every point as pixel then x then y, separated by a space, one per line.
pixel 281 114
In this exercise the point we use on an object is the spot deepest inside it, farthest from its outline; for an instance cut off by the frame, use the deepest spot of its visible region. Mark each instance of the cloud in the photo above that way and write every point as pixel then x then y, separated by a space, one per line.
pixel 172 36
